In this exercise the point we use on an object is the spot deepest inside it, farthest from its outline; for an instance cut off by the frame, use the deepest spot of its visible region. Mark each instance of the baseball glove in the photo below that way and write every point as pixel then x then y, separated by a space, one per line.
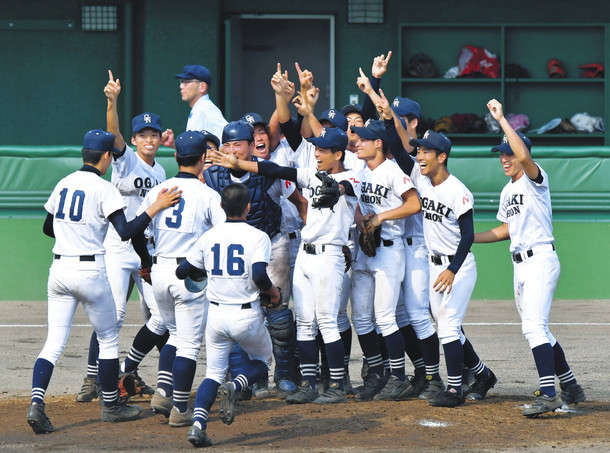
pixel 266 300
pixel 127 385
pixel 329 192
pixel 370 241
pixel 145 274
pixel 347 253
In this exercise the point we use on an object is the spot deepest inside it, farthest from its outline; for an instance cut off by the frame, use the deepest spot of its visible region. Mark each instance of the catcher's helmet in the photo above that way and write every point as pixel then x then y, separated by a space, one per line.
pixel 236 131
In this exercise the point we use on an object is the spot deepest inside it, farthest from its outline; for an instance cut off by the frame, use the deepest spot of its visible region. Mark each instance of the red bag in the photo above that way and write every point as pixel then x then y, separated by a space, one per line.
pixel 478 62
pixel 592 70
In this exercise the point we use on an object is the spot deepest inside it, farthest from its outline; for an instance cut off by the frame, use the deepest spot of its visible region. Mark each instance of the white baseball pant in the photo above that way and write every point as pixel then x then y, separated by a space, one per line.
pixel 278 268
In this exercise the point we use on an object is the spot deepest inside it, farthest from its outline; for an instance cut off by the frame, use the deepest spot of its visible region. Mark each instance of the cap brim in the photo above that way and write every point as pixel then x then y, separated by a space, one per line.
pixel 366 133
pixel 422 143
pixel 184 75
pixel 503 148
pixel 154 128
pixel 319 142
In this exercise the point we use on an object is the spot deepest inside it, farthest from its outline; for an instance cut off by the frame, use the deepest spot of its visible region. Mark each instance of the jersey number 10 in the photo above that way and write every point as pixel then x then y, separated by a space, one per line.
pixel 76 206
pixel 235 264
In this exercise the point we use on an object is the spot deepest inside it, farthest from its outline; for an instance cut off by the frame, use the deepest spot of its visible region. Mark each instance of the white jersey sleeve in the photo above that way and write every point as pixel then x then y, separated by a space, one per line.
pixel 125 164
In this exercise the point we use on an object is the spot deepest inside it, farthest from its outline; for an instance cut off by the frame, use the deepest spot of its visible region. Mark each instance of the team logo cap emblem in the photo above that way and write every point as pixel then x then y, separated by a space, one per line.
pixel 331 114
pixel 367 123
pixel 396 102
pixel 323 133
pixel 250 119
pixel 427 134
pixel 147 118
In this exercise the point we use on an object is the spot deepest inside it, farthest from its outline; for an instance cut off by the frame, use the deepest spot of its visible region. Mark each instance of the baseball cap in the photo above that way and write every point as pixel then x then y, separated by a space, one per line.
pixel 236 131
pixel 372 130
pixel 504 147
pixel 190 143
pixel 352 108
pixel 210 137
pixel 336 118
pixel 433 140
pixel 98 140
pixel 330 137
pixel 406 106
pixel 146 120
pixel 253 119
pixel 195 71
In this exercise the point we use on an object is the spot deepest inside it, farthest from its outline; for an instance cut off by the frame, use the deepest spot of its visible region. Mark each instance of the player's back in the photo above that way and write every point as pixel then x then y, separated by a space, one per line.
pixel 81 203
pixel 229 251
pixel 176 229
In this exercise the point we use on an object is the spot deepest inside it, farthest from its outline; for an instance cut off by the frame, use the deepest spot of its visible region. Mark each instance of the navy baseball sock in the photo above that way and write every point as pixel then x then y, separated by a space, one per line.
pixel 369 343
pixel 43 370
pixel 109 377
pixel 545 364
pixel 94 351
pixel 454 358
pixel 472 360
pixel 165 381
pixel 254 370
pixel 323 364
pixel 396 351
pixel 562 369
pixel 346 338
pixel 143 343
pixel 162 340
pixel 384 355
pixel 432 356
pixel 308 355
pixel 334 354
pixel 412 347
pixel 184 373
pixel 206 394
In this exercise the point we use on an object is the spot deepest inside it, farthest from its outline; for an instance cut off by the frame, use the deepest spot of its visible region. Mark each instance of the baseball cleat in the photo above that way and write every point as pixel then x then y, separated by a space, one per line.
pixel 120 413
pixel 481 386
pixel 572 393
pixel 178 419
pixel 304 394
pixel 161 404
pixel 334 394
pixel 432 388
pixel 373 384
pixel 448 398
pixel 38 420
pixel 394 390
pixel 244 395
pixel 198 437
pixel 260 390
pixel 285 387
pixel 227 402
pixel 418 381
pixel 543 403
pixel 347 384
pixel 88 391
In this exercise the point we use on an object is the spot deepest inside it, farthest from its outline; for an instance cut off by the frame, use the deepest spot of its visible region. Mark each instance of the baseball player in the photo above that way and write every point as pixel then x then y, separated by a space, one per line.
pixel 447 207
pixel 195 81
pixel 320 263
pixel 235 256
pixel 78 212
pixel 265 214
pixel 134 174
pixel 386 197
pixel 175 232
pixel 525 213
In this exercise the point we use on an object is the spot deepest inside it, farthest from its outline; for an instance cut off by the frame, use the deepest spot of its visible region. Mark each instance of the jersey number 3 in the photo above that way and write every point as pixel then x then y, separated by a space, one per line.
pixel 176 221
pixel 235 262
pixel 76 205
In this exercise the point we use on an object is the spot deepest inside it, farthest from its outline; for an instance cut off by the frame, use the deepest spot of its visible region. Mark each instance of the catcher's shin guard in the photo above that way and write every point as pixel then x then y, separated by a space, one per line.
pixel 280 323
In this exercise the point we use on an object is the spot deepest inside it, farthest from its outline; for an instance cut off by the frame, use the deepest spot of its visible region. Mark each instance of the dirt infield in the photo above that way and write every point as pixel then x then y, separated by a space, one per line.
pixel 583 328
pixel 271 425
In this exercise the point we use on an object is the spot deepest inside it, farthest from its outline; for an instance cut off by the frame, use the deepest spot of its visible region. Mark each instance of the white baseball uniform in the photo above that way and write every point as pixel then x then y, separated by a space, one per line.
pixel 134 178
pixel 206 116
pixel 320 264
pixel 175 231
pixel 442 205
pixel 525 205
pixel 376 280
pixel 81 203
pixel 227 252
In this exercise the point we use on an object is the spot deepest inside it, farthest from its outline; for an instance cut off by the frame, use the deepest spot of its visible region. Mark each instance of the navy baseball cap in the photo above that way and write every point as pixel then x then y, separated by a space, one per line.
pixel 433 140
pixel 406 106
pixel 372 130
pixel 253 119
pixel 330 137
pixel 352 108
pixel 99 140
pixel 504 147
pixel 211 137
pixel 197 72
pixel 190 143
pixel 146 120
pixel 336 118
pixel 236 131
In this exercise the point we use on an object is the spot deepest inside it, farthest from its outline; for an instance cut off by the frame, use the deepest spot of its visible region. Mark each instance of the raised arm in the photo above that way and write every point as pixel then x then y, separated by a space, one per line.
pixel 516 144
pixel 378 69
pixel 112 91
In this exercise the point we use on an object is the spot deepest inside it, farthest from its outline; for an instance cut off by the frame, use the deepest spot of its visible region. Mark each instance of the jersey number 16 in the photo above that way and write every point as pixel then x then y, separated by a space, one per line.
pixel 235 264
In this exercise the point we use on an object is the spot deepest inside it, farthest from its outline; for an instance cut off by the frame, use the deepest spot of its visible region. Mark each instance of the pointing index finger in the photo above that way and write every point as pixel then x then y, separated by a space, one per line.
pixel 110 76
pixel 387 59
pixel 361 72
pixel 279 67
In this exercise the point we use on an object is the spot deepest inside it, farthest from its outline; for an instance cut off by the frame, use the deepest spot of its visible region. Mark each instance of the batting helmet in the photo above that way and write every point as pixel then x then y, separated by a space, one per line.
pixel 236 131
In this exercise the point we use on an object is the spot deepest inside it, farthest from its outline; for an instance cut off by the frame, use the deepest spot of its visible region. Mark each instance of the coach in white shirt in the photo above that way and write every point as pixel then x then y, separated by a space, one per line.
pixel 194 84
